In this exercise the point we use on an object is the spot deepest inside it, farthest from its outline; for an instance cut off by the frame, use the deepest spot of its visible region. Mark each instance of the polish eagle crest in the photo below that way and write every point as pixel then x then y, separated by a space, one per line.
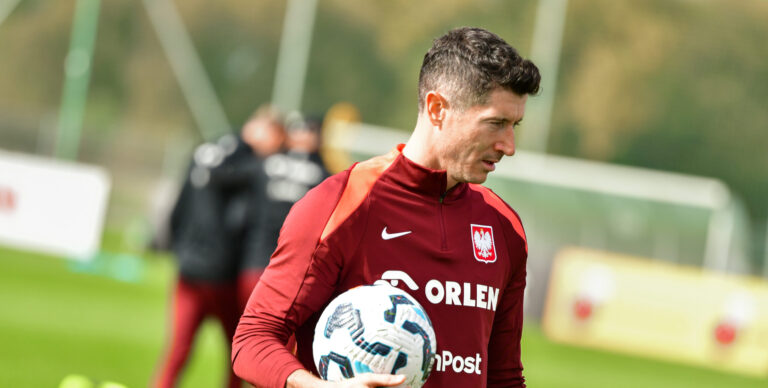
pixel 483 244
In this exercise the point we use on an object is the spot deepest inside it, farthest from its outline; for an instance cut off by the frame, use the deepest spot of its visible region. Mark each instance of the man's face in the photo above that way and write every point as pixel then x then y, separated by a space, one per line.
pixel 264 136
pixel 474 140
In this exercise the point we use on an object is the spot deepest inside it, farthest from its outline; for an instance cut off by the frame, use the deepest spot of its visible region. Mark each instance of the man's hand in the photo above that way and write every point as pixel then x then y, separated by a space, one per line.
pixel 303 379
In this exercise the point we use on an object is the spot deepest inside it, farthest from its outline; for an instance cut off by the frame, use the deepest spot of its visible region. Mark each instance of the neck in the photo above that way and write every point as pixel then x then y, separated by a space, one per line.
pixel 420 148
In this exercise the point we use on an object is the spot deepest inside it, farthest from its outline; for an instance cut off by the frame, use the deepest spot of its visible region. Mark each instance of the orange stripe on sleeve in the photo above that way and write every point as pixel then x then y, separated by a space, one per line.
pixel 361 180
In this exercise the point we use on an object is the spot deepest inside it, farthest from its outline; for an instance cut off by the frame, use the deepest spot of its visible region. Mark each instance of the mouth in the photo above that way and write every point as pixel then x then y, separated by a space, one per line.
pixel 490 165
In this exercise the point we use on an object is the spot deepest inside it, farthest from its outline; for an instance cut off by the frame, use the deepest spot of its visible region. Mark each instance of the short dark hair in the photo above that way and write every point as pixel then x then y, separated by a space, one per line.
pixel 468 63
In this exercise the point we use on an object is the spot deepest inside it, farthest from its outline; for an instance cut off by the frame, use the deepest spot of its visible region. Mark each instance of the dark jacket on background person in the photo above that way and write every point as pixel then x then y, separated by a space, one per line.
pixel 282 179
pixel 207 220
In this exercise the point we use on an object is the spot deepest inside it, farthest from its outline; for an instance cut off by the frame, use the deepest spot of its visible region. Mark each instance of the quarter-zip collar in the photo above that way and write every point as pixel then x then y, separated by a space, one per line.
pixel 426 181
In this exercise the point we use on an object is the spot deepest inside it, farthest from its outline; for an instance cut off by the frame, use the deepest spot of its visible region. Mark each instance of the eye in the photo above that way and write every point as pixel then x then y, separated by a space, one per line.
pixel 497 124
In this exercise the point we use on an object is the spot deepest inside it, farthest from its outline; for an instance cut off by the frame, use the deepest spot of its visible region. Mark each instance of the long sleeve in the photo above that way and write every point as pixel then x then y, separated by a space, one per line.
pixel 504 366
pixel 299 280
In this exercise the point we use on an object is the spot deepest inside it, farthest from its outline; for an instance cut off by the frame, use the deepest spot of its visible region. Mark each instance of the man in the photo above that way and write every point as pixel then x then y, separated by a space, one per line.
pixel 206 228
pixel 281 179
pixel 418 215
pixel 202 241
pixel 265 136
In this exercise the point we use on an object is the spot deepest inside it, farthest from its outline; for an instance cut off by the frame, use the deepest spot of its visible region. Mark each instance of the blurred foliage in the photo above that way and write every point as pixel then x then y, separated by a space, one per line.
pixel 672 85
pixel 371 55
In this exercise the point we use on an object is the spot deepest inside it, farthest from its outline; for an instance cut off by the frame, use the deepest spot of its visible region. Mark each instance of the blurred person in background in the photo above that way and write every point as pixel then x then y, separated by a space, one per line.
pixel 207 226
pixel 419 210
pixel 207 262
pixel 282 179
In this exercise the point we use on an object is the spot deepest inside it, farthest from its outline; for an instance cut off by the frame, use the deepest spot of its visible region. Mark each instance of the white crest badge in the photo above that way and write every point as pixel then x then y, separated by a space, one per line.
pixel 483 244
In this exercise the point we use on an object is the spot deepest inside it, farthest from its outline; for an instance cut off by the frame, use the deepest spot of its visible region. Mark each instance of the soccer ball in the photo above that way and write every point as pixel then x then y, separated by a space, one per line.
pixel 377 329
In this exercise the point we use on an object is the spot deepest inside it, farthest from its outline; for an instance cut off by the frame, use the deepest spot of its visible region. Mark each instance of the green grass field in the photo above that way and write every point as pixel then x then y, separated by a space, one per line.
pixel 58 318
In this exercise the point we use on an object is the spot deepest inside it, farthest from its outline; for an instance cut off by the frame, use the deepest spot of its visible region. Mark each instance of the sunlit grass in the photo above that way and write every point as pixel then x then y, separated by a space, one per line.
pixel 58 318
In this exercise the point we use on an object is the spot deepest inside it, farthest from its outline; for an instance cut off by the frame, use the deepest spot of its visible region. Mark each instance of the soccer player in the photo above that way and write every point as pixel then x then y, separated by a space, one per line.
pixel 206 229
pixel 201 241
pixel 281 179
pixel 419 216
pixel 266 136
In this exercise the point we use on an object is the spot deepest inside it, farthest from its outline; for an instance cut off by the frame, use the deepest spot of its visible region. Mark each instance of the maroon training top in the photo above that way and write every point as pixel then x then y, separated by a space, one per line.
pixel 463 258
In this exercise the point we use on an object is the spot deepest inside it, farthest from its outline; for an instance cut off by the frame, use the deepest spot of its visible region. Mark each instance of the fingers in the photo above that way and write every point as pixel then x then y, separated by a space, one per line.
pixel 379 380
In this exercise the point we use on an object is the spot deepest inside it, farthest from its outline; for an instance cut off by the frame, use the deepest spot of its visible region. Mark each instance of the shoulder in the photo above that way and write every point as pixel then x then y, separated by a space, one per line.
pixel 364 174
pixel 501 207
pixel 360 180
pixel 308 217
pixel 326 192
pixel 329 205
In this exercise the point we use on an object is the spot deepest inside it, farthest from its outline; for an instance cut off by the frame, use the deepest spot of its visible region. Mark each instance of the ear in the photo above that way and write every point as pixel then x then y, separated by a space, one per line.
pixel 436 106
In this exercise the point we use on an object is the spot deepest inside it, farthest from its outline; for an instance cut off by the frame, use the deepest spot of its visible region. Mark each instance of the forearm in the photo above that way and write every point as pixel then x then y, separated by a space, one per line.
pixel 303 379
pixel 259 355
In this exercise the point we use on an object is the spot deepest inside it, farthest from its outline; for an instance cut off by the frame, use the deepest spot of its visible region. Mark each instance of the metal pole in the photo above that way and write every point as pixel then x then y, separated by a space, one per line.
pixel 77 74
pixel 188 69
pixel 719 235
pixel 545 52
pixel 293 58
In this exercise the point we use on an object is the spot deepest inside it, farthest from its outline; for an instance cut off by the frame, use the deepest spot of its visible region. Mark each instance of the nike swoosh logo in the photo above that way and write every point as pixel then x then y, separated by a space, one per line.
pixel 389 236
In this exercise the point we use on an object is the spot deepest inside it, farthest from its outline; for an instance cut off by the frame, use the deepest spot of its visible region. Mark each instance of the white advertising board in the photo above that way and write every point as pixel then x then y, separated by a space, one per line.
pixel 52 206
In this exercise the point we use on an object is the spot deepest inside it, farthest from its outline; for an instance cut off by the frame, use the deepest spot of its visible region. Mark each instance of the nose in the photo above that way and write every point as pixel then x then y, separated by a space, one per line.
pixel 506 144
